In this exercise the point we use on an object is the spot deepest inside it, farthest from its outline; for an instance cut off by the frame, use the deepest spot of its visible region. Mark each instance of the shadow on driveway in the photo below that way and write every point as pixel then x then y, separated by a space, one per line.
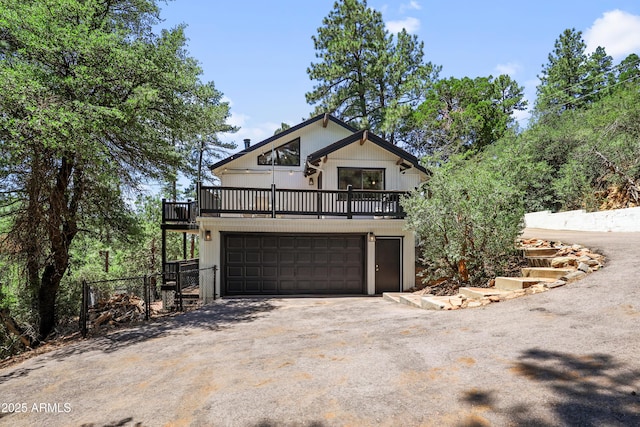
pixel 216 316
pixel 18 373
pixel 587 390
pixel 592 390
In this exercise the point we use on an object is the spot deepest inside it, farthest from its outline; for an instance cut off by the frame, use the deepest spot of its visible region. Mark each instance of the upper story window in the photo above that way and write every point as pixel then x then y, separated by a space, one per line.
pixel 361 178
pixel 284 155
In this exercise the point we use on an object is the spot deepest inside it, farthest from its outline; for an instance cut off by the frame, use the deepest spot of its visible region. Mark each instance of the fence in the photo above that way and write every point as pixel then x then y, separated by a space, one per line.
pixel 143 291
pixel 103 292
pixel 182 285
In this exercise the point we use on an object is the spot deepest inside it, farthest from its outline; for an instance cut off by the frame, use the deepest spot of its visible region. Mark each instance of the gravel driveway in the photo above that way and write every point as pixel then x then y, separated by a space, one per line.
pixel 564 357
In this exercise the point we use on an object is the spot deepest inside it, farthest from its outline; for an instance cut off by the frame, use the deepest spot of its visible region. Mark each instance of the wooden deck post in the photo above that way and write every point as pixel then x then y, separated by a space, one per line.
pixel 184 245
pixel 273 200
pixel 164 252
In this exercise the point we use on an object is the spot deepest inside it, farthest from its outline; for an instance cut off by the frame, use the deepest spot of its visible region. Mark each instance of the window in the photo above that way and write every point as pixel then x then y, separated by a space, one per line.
pixel 361 179
pixel 284 155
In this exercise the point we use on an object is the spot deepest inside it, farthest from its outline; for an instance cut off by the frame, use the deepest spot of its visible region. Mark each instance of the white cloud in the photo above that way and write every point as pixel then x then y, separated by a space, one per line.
pixel 227 100
pixel 254 132
pixel 412 25
pixel 531 86
pixel 257 132
pixel 522 117
pixel 617 31
pixel 412 5
pixel 510 68
pixel 237 119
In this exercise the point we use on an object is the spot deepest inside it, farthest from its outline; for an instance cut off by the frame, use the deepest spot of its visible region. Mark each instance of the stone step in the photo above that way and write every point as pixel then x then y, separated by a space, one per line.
pixel 411 300
pixel 513 283
pixel 548 272
pixel 546 252
pixel 391 296
pixel 478 293
pixel 539 261
pixel 435 303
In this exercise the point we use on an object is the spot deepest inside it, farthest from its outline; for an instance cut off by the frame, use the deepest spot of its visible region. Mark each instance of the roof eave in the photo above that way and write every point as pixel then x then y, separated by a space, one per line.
pixel 413 160
pixel 284 133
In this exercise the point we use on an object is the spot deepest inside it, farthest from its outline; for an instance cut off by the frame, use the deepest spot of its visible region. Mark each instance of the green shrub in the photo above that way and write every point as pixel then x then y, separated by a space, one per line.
pixel 467 218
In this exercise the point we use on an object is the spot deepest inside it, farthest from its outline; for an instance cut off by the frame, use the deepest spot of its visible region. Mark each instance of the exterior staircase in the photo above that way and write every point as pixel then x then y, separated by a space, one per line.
pixel 548 268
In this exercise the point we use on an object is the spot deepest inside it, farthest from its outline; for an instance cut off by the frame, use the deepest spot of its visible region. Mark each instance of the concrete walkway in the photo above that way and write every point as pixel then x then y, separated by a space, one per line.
pixel 564 357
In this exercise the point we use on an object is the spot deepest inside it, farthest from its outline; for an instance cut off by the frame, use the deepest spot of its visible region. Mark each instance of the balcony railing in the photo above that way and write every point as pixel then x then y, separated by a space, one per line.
pixel 179 211
pixel 320 203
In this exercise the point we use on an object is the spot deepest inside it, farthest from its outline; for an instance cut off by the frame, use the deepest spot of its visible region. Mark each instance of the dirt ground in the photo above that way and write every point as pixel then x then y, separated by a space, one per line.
pixel 564 357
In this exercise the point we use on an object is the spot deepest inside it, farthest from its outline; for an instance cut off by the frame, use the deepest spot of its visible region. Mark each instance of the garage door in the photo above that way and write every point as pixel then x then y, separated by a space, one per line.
pixel 278 264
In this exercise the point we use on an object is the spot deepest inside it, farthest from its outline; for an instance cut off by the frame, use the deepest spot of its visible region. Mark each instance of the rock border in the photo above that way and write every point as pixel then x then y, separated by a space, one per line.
pixel 578 261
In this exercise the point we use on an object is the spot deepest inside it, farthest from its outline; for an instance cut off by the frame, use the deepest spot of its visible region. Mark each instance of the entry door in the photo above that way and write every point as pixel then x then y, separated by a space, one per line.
pixel 388 264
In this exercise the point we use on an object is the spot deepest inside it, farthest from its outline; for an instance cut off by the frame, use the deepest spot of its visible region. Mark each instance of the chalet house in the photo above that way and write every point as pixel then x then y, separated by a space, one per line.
pixel 314 209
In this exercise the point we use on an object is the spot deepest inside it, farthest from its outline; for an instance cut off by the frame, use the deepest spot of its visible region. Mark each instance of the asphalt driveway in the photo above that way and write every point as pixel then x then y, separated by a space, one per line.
pixel 564 357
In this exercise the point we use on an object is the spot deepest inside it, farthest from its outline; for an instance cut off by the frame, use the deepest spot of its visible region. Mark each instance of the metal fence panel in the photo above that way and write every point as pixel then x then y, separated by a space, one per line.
pixel 125 299
pixel 143 290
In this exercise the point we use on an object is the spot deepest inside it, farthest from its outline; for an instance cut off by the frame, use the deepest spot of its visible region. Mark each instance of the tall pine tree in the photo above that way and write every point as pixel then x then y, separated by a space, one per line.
pixel 90 99
pixel 572 79
pixel 366 76
pixel 561 82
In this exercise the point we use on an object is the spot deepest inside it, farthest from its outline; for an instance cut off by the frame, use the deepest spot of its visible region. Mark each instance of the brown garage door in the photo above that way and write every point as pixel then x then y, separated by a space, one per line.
pixel 278 264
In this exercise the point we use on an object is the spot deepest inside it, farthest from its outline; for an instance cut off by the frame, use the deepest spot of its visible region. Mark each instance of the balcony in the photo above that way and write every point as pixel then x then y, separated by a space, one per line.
pixel 179 212
pixel 273 202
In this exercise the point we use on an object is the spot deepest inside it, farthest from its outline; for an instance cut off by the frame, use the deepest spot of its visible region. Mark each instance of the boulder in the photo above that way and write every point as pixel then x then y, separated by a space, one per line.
pixel 584 267
pixel 573 276
pixel 564 261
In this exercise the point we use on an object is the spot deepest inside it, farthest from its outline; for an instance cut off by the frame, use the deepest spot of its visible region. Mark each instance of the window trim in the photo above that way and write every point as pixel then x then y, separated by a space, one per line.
pixel 384 177
pixel 264 154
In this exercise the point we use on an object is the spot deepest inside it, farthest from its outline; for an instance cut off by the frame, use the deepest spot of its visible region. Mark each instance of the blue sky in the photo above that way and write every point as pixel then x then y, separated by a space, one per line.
pixel 257 52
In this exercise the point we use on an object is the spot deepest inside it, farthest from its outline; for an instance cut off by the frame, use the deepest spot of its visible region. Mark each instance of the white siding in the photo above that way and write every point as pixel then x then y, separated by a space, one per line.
pixel 245 171
pixel 210 250
pixel 368 155
pixel 410 179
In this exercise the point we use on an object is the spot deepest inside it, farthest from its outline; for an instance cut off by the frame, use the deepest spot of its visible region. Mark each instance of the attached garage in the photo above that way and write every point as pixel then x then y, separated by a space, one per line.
pixel 287 264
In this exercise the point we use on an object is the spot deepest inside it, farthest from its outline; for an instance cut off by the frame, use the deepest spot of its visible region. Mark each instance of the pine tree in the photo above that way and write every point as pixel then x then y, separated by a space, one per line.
pixel 91 97
pixel 562 79
pixel 365 76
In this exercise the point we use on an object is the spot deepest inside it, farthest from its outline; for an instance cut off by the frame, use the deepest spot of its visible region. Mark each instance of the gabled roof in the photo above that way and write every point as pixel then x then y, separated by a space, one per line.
pixel 406 160
pixel 326 117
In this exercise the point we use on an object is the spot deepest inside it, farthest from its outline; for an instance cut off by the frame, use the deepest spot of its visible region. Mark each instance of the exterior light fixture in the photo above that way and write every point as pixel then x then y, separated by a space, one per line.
pixel 310 180
pixel 371 237
pixel 207 235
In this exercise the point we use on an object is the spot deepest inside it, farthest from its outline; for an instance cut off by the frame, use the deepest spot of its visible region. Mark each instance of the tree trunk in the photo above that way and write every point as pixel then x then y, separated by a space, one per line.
pixel 47 301
pixel 61 227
